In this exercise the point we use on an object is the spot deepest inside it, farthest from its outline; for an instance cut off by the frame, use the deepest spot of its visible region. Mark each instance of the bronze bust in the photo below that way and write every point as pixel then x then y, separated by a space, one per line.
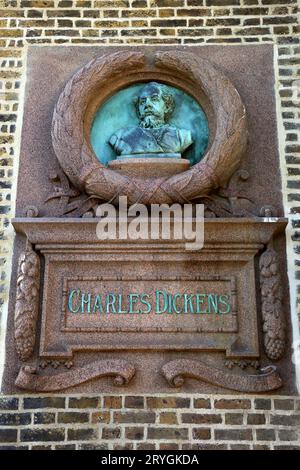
pixel 153 137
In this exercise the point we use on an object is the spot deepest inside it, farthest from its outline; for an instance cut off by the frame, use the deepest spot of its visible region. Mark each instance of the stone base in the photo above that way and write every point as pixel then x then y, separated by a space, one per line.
pixel 146 352
pixel 149 167
pixel 150 155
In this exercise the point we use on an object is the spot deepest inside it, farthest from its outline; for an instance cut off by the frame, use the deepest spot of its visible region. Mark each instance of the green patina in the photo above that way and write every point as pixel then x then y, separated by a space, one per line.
pixel 153 119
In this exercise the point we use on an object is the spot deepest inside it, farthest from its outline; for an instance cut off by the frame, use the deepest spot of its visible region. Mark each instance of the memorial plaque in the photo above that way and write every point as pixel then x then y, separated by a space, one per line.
pixel 165 128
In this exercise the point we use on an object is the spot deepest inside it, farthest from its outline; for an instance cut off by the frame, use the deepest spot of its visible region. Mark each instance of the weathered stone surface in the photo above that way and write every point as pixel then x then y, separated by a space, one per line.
pixel 44 232
pixel 122 372
pixel 71 248
pixel 176 371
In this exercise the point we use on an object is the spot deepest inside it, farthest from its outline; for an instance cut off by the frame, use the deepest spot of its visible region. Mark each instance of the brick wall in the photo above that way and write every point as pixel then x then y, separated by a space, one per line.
pixel 149 422
pixel 118 421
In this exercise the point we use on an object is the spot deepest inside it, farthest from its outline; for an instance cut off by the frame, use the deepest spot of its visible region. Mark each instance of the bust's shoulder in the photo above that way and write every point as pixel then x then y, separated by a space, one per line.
pixel 121 133
pixel 184 133
pixel 184 137
pixel 126 130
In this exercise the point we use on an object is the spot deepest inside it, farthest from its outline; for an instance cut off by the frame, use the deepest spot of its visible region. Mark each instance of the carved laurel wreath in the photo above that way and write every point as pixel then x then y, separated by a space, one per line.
pixel 81 165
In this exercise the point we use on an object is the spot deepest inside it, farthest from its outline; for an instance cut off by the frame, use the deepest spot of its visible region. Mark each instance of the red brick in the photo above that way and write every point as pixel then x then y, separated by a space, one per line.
pixel 84 402
pixel 111 433
pixel 201 418
pixel 233 418
pixel 256 418
pixel 201 433
pixel 168 446
pixel 167 433
pixel 202 403
pixel 134 402
pixel 168 402
pixel 134 417
pixel 168 418
pixel 135 433
pixel 233 434
pixel 112 402
pixel 231 404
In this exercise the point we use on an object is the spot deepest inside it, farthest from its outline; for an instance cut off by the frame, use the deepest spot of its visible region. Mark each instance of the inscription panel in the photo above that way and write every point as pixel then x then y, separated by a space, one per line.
pixel 177 298
pixel 182 304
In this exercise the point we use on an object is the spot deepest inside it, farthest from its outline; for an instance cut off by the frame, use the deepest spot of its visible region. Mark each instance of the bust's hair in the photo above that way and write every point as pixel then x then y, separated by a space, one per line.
pixel 167 97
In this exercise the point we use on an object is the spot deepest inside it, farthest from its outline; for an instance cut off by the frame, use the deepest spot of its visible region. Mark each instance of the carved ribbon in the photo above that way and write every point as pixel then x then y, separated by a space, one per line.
pixel 28 379
pixel 176 371
pixel 272 312
pixel 26 312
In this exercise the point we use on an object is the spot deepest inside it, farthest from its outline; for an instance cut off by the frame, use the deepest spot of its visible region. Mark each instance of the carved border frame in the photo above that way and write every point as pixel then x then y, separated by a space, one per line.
pixel 231 280
pixel 230 345
pixel 101 78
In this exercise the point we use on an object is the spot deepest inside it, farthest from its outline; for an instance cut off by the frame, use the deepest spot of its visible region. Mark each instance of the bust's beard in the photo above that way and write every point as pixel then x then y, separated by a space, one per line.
pixel 150 122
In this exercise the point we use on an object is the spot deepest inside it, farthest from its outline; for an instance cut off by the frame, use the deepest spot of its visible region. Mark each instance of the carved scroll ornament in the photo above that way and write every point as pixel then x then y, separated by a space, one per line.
pixel 26 311
pixel 122 371
pixel 272 311
pixel 111 72
pixel 176 371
